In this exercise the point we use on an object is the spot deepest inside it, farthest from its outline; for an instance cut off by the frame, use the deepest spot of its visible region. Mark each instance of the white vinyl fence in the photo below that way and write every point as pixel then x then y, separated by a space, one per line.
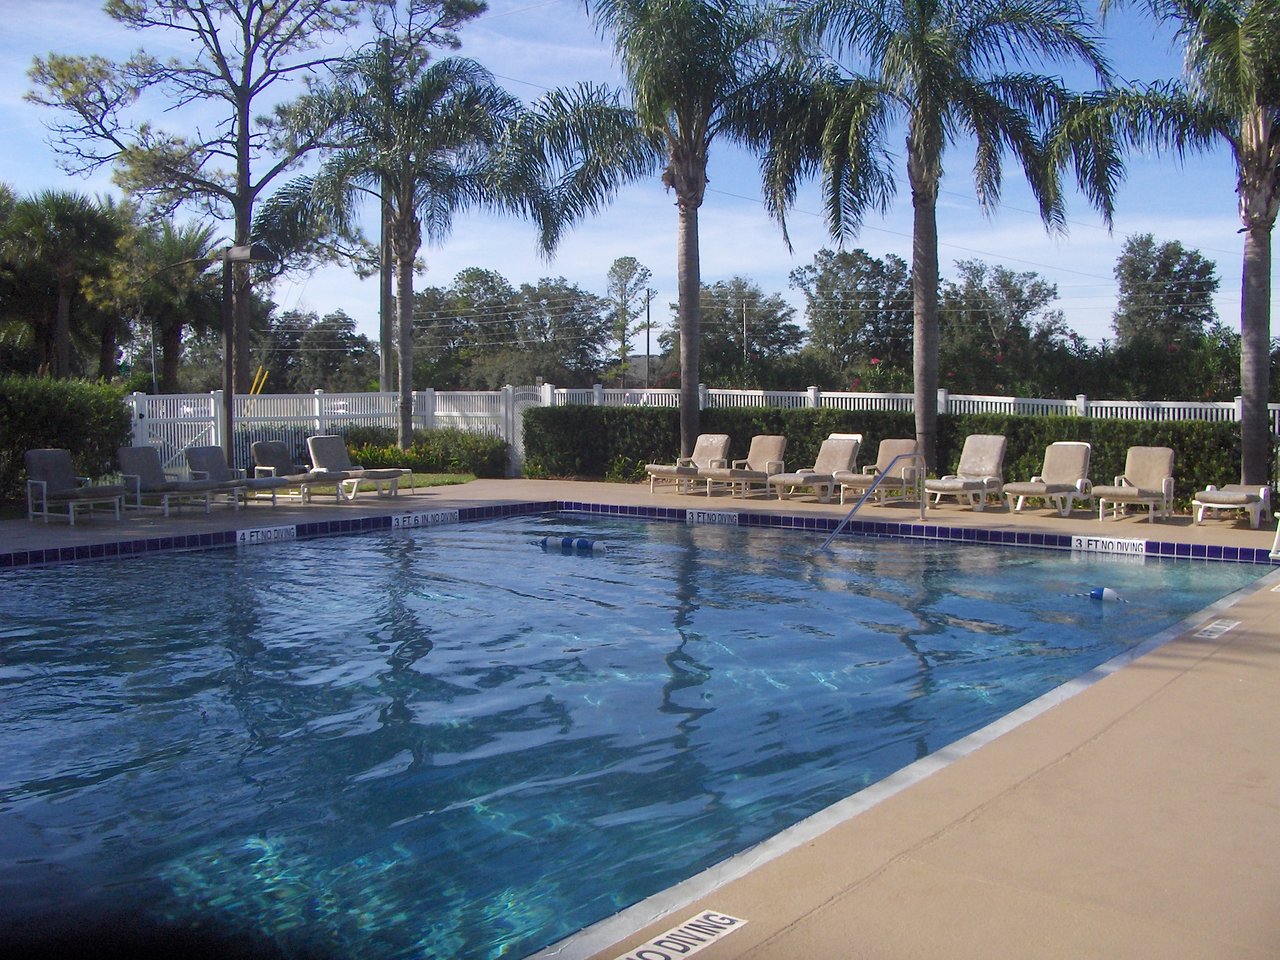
pixel 173 422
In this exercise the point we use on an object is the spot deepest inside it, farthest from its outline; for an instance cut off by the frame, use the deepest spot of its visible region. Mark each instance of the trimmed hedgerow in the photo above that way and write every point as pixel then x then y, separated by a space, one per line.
pixel 89 419
pixel 615 442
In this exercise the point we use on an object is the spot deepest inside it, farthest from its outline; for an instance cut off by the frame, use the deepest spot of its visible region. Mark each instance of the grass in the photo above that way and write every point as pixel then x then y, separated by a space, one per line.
pixel 16 508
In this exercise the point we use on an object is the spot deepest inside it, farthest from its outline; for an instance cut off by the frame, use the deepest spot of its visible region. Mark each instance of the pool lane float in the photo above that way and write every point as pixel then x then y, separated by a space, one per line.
pixel 571 544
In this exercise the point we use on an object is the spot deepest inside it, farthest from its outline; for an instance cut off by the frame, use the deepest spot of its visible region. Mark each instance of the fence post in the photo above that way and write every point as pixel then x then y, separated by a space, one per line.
pixel 1239 409
pixel 702 396
pixel 219 420
pixel 139 419
pixel 509 426
pixel 428 398
pixel 317 410
pixel 1082 405
pixel 597 395
pixel 548 394
pixel 944 400
pixel 814 397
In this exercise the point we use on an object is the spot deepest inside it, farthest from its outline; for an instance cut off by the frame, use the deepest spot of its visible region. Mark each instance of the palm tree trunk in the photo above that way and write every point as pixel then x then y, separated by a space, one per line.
pixel 62 332
pixel 924 290
pixel 406 239
pixel 1255 356
pixel 689 288
pixel 170 356
pixel 386 298
pixel 108 348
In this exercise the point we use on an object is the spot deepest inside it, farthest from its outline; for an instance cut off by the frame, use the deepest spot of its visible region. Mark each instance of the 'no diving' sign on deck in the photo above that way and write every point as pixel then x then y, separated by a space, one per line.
pixel 688 938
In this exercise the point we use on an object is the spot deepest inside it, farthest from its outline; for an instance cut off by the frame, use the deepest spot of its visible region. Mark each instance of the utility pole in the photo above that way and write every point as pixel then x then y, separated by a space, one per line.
pixel 648 325
pixel 744 334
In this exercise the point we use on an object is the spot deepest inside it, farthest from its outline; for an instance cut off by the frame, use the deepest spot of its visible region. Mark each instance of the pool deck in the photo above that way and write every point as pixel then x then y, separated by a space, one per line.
pixel 1137 818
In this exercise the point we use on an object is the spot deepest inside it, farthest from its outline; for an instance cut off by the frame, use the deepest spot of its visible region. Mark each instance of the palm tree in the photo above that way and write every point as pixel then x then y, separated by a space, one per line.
pixel 1231 95
pixel 71 236
pixel 430 140
pixel 948 70
pixel 697 70
pixel 179 294
pixel 427 144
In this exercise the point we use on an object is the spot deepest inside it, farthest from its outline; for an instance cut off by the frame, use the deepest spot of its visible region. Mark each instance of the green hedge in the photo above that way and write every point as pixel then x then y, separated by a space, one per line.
pixel 447 450
pixel 616 442
pixel 89 419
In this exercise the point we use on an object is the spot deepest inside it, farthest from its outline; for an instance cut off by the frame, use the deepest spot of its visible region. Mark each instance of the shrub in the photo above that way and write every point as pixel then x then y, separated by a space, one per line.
pixel 615 442
pixel 434 451
pixel 89 419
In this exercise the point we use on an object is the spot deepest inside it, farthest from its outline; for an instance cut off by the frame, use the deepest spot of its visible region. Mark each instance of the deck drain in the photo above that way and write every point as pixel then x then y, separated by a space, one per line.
pixel 1216 629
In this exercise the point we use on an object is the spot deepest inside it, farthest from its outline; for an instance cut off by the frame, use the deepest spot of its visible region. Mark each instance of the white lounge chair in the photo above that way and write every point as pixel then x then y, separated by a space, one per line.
pixel 897 481
pixel 144 476
pixel 52 483
pixel 763 459
pixel 1147 481
pixel 1062 480
pixel 1255 501
pixel 838 454
pixel 979 474
pixel 330 461
pixel 709 450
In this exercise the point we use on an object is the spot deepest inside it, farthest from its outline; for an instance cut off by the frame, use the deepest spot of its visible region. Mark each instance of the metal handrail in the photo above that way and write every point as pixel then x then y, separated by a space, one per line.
pixel 918 457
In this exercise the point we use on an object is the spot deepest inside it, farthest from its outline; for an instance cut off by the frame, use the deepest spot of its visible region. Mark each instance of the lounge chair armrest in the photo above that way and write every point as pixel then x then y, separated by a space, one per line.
pixel 684 461
pixel 1037 479
pixel 199 474
pixel 1166 487
pixel 132 482
pixel 741 464
pixel 775 466
pixel 720 462
pixel 1085 486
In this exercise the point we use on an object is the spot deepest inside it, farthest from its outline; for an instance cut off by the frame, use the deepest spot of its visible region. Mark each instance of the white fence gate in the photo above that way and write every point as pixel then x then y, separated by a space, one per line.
pixel 173 422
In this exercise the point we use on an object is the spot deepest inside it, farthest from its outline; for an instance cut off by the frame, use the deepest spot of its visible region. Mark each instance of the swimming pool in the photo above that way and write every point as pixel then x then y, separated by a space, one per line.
pixel 451 743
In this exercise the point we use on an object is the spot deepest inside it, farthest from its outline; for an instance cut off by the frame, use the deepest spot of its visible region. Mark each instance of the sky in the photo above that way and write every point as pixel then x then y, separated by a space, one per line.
pixel 535 46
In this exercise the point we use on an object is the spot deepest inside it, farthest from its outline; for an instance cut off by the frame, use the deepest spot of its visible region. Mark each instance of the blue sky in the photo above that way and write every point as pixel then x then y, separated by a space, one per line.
pixel 535 46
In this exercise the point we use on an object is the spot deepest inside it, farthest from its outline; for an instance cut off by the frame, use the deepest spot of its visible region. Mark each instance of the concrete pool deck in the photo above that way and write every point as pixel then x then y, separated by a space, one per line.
pixel 1138 818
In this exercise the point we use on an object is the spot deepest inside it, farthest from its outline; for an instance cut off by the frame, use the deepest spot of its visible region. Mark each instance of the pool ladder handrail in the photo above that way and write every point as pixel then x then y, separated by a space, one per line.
pixel 919 480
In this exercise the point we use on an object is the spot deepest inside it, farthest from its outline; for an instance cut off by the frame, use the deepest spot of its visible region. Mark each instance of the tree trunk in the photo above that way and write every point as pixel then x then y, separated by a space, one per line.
pixel 108 363
pixel 170 356
pixel 689 286
pixel 387 318
pixel 924 290
pixel 1255 357
pixel 406 238
pixel 62 332
pixel 1258 186
pixel 241 299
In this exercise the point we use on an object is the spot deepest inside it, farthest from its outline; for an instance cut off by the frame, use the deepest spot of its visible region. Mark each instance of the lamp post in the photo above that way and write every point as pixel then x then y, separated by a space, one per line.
pixel 245 253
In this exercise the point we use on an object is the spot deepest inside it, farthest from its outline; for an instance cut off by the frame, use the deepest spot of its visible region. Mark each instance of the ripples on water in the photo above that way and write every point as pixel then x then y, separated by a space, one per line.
pixel 452 744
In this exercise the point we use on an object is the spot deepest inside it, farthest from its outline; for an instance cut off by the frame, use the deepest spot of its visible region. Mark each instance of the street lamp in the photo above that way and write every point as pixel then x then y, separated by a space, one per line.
pixel 245 253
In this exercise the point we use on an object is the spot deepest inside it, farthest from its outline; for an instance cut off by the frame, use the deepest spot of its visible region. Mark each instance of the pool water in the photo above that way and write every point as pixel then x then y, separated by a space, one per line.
pixel 451 743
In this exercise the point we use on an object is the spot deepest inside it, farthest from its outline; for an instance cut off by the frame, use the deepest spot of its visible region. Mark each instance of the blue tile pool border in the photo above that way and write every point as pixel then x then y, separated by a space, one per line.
pixel 343 526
